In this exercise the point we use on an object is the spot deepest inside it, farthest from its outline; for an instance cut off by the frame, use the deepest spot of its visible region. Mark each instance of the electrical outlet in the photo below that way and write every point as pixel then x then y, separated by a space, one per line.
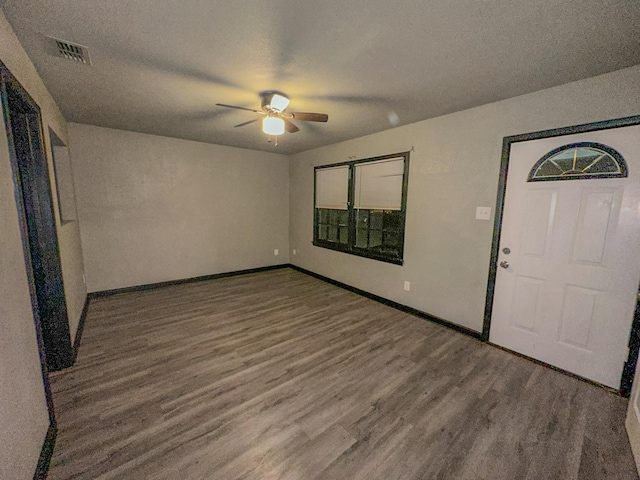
pixel 275 252
pixel 294 251
pixel 483 213
pixel 407 285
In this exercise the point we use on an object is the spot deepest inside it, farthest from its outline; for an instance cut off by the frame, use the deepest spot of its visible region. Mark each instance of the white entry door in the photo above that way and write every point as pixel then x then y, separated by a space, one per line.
pixel 565 291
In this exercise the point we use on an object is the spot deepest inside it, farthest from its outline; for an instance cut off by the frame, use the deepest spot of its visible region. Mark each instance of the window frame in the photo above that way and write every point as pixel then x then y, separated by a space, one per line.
pixel 63 177
pixel 350 247
pixel 613 153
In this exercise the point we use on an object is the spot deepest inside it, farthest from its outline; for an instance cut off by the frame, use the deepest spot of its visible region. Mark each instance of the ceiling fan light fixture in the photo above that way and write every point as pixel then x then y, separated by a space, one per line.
pixel 278 102
pixel 273 125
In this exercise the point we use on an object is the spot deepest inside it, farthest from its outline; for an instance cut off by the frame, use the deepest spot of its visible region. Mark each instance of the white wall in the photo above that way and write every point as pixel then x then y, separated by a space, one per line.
pixel 71 259
pixel 23 410
pixel 153 208
pixel 453 169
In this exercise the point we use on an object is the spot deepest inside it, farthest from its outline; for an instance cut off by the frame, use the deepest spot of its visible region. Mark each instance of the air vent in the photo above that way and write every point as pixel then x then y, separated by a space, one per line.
pixel 68 50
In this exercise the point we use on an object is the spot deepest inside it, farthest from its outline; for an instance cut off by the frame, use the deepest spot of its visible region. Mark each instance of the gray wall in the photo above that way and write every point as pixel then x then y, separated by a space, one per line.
pixel 453 169
pixel 155 208
pixel 23 410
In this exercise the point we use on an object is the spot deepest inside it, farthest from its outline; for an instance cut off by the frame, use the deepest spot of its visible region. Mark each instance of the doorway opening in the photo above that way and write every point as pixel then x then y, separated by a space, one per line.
pixel 37 221
pixel 562 331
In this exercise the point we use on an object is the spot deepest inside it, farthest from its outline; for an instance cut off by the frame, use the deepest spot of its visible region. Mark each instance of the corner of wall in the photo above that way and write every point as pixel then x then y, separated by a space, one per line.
pixel 24 421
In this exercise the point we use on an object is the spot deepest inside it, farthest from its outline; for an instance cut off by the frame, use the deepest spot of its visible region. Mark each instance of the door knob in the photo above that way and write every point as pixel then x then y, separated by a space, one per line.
pixel 504 264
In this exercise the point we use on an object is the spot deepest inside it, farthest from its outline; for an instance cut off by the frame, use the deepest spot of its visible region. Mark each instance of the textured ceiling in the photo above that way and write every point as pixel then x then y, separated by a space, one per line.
pixel 160 66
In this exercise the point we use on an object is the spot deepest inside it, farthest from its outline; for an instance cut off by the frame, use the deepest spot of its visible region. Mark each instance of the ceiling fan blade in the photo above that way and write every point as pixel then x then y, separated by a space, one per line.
pixel 310 117
pixel 245 123
pixel 240 108
pixel 291 128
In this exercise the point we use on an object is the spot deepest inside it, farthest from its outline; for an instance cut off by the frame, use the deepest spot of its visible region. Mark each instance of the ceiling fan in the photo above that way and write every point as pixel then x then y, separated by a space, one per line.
pixel 276 119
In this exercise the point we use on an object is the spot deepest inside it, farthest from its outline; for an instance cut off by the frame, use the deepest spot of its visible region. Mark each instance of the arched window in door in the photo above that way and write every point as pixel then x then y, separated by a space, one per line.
pixel 578 161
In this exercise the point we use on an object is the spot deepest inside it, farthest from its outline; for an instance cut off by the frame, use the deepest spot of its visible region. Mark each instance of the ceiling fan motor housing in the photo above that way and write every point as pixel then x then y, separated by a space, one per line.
pixel 274 102
pixel 276 120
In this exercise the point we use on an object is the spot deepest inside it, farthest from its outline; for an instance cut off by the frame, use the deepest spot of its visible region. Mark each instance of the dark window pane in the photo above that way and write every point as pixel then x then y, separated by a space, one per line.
pixel 343 217
pixel 344 235
pixel 361 238
pixel 375 238
pixel 606 165
pixel 375 220
pixel 548 169
pixel 392 220
pixel 323 232
pixel 333 233
pixel 362 218
pixel 323 215
pixel 391 239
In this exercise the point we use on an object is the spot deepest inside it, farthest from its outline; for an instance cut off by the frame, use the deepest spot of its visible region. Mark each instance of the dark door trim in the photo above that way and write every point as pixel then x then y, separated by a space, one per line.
pixel 7 77
pixel 32 181
pixel 634 351
pixel 502 185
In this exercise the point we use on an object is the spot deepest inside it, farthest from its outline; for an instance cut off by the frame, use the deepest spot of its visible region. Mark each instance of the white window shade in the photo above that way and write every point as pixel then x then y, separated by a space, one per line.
pixel 379 184
pixel 332 187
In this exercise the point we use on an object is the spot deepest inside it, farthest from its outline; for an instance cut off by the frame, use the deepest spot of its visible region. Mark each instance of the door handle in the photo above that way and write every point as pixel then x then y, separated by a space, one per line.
pixel 504 264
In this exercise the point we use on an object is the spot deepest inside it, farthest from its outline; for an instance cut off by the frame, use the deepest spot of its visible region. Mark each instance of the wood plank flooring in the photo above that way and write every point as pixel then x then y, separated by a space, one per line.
pixel 277 375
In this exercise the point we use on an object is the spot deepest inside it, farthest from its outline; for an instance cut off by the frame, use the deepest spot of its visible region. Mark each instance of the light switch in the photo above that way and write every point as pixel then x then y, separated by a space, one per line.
pixel 483 213
pixel 275 252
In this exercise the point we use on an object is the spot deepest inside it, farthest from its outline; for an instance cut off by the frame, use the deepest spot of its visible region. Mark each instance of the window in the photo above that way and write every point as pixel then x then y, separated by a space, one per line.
pixel 64 179
pixel 360 207
pixel 579 161
pixel 332 204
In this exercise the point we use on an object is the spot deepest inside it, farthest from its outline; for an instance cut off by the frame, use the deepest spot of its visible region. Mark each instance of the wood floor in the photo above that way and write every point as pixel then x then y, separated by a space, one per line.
pixel 278 375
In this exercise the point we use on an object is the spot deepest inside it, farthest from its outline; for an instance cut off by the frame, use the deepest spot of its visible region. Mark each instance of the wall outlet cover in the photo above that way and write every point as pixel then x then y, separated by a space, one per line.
pixel 483 213
pixel 275 252
pixel 407 285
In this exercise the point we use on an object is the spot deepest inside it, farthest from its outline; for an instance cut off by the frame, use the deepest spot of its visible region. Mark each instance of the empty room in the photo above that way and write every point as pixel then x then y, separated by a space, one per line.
pixel 319 240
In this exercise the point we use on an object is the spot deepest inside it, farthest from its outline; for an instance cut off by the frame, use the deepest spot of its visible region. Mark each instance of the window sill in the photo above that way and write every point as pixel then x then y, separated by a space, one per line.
pixel 364 254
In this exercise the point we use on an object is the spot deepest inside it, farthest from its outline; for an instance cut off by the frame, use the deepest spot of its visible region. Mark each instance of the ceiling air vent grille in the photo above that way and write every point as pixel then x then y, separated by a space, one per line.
pixel 68 50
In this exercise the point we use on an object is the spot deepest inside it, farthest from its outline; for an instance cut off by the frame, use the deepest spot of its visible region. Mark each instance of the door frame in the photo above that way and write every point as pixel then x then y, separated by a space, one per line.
pixel 502 186
pixel 7 78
